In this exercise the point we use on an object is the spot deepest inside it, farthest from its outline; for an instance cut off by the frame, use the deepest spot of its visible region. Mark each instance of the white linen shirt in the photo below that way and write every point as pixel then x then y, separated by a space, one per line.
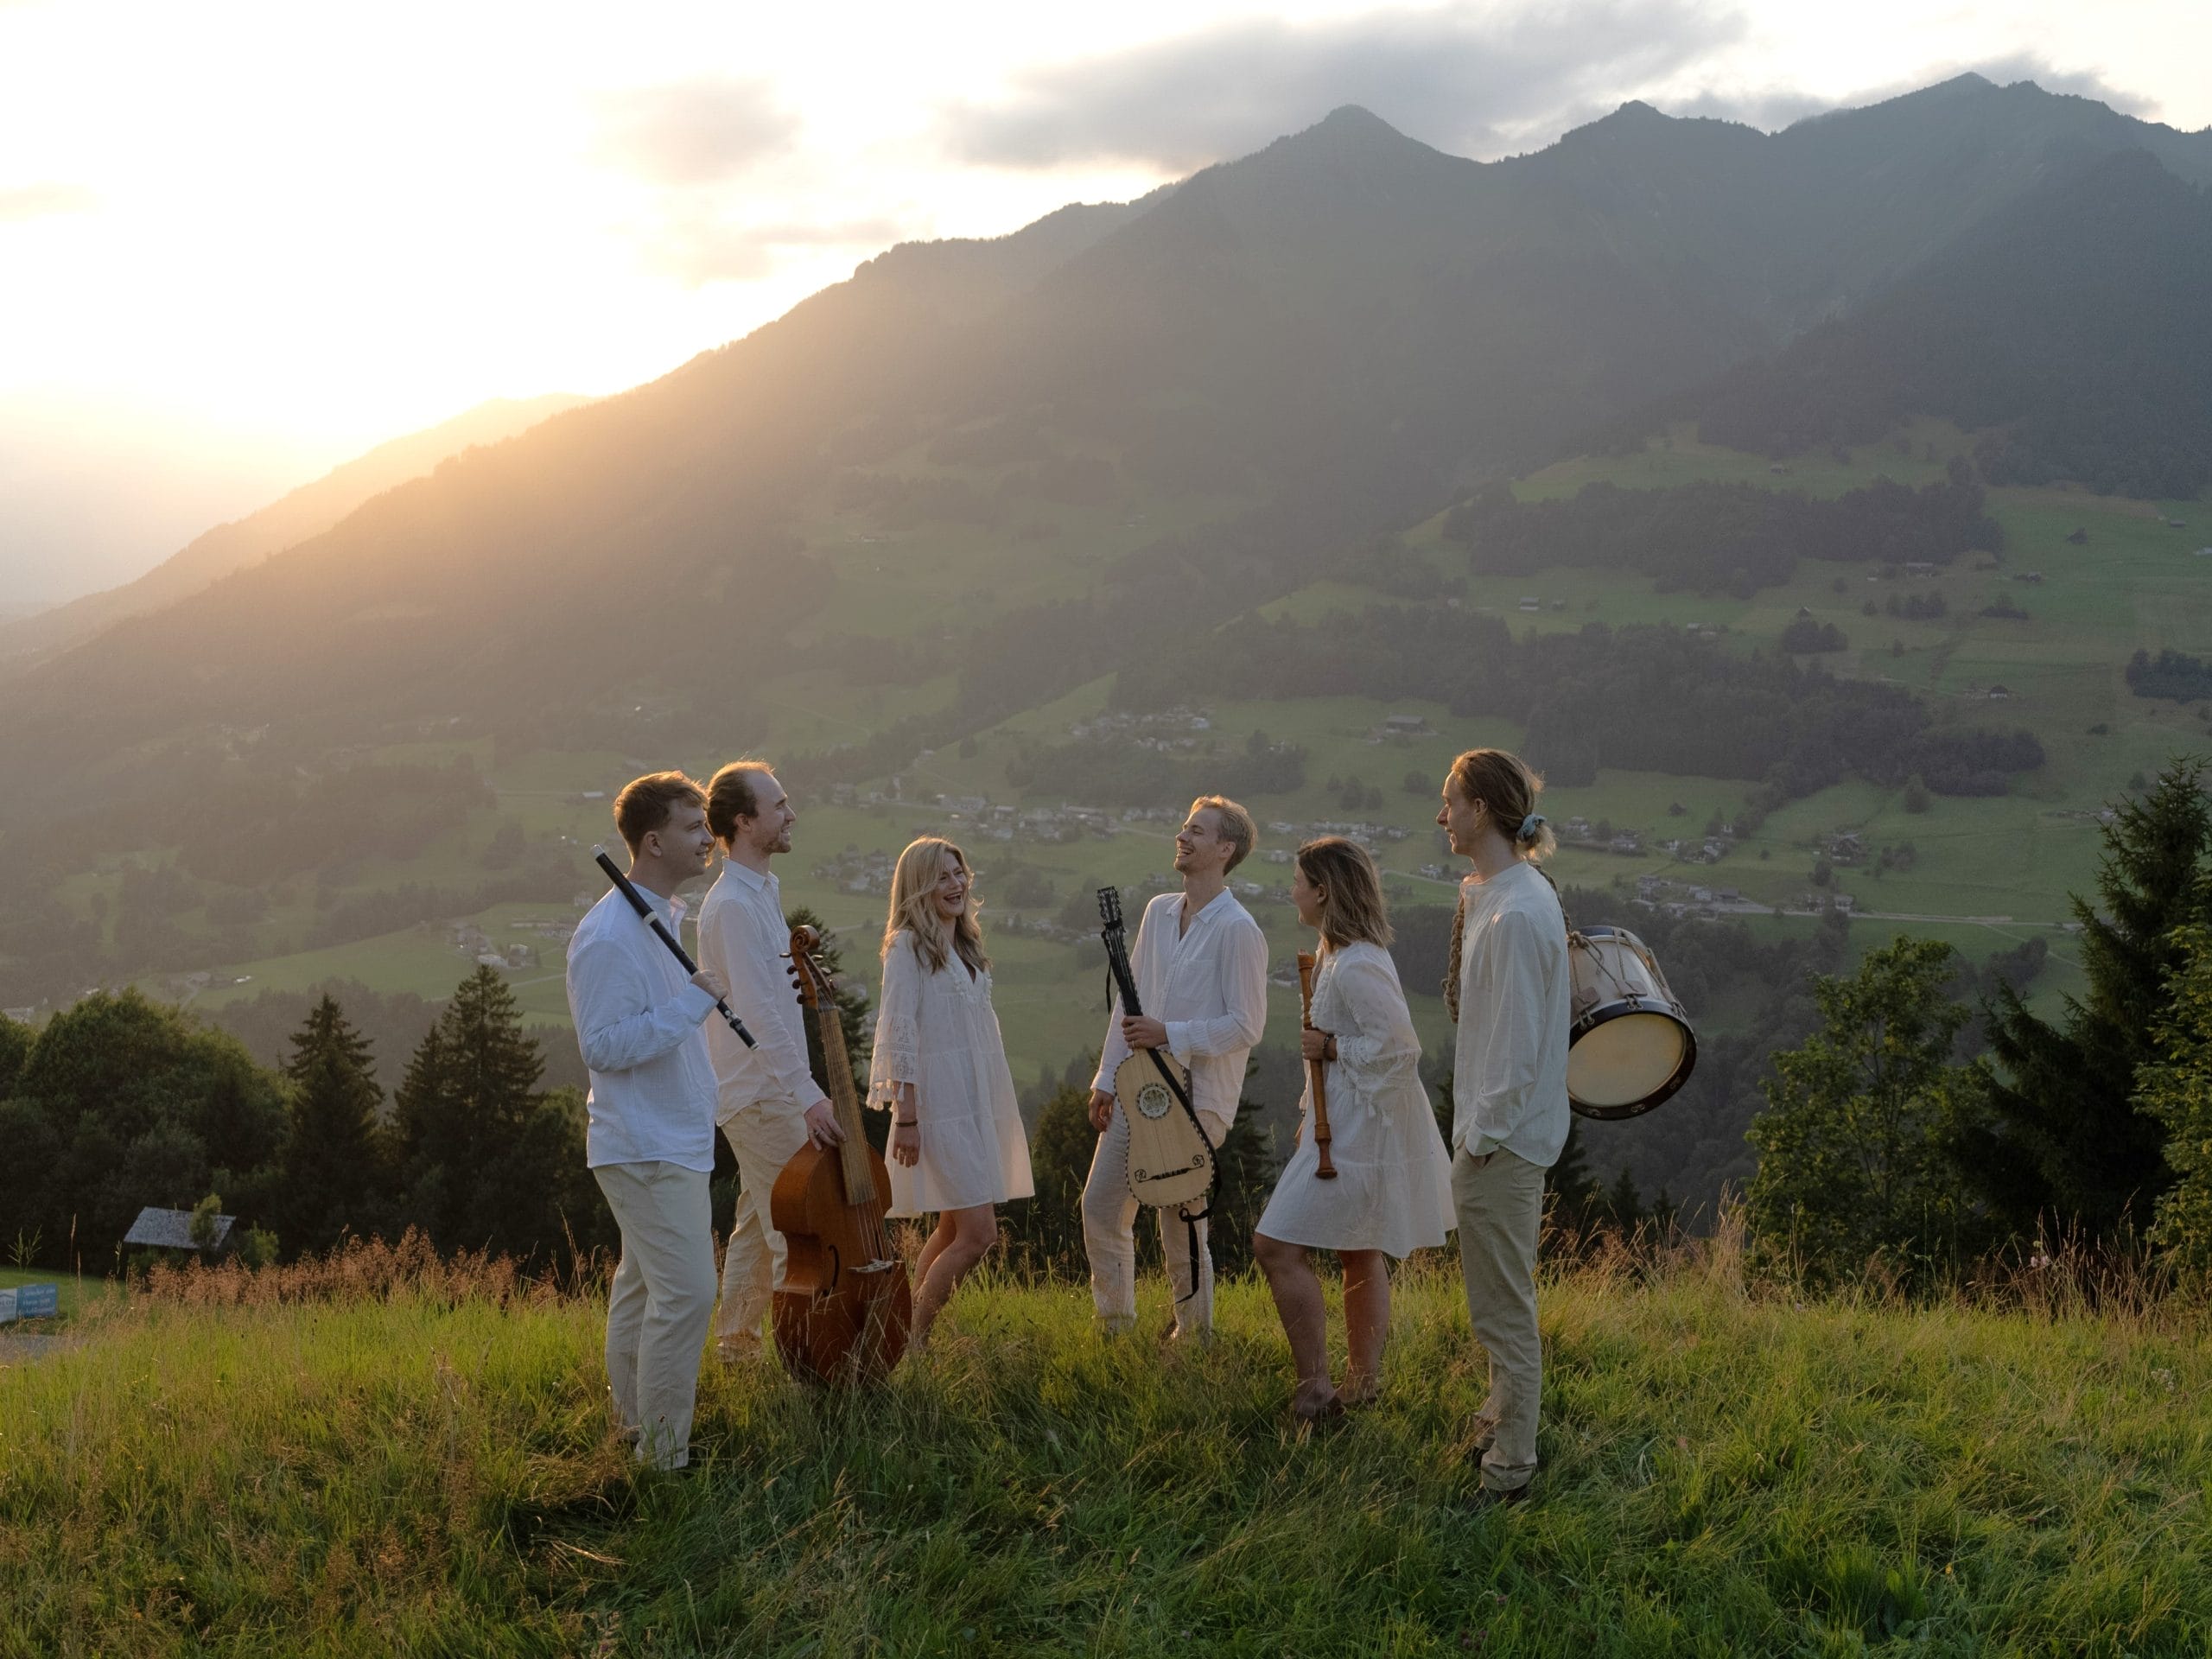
pixel 637 1015
pixel 1508 1073
pixel 743 936
pixel 1208 985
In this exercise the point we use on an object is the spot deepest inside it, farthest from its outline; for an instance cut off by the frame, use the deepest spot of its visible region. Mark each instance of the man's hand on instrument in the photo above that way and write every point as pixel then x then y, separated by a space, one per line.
pixel 1142 1030
pixel 1317 1045
pixel 822 1126
pixel 712 983
pixel 907 1142
pixel 1102 1109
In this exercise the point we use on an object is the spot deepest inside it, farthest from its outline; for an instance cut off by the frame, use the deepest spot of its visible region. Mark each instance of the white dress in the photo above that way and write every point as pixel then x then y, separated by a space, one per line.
pixel 938 1032
pixel 1393 1191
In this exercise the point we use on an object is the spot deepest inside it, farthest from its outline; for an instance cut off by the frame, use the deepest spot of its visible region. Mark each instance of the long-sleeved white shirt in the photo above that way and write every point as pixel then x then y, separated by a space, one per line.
pixel 1208 985
pixel 743 936
pixel 637 1015
pixel 1509 1078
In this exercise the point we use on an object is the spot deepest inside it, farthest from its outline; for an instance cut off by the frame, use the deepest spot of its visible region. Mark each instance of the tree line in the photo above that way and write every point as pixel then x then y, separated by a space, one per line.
pixel 1716 538
pixel 1644 697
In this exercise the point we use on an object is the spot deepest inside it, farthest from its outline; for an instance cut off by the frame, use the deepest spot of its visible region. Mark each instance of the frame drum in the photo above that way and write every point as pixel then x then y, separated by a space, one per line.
pixel 1629 1046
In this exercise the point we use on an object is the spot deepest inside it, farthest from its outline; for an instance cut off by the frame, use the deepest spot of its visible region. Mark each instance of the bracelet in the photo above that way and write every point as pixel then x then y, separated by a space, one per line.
pixel 905 1122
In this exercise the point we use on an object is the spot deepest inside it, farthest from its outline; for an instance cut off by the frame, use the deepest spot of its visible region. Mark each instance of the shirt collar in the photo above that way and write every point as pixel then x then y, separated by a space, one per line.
pixel 1209 909
pixel 752 879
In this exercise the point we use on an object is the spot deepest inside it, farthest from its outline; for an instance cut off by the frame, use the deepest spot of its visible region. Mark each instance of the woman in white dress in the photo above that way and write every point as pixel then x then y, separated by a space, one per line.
pixel 957 1146
pixel 1392 1194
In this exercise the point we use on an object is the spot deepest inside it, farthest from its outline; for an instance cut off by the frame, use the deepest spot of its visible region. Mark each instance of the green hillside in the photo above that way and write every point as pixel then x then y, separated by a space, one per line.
pixel 1988 874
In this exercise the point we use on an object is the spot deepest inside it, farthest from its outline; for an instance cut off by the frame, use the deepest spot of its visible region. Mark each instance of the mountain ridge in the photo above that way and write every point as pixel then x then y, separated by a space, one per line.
pixel 293 517
pixel 1336 329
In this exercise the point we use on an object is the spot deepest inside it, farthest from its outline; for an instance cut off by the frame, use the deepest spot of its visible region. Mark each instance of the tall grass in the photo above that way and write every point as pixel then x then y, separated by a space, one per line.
pixel 390 1454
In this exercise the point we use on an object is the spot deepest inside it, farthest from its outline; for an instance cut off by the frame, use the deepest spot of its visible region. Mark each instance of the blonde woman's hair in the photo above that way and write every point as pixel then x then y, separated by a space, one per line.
pixel 1236 827
pixel 914 911
pixel 1352 907
pixel 1505 782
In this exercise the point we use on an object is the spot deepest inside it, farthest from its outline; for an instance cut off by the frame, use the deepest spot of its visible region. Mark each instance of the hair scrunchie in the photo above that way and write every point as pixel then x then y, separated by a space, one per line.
pixel 1530 825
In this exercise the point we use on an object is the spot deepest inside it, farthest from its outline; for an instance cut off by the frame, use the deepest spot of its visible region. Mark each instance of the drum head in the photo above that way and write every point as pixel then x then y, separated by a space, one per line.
pixel 1628 1063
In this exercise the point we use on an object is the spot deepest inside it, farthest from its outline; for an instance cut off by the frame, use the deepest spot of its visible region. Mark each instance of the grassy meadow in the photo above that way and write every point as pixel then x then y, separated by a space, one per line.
pixel 391 1458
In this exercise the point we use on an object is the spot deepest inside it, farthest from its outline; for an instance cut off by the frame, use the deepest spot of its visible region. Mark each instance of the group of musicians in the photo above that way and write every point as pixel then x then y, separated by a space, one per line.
pixel 665 1077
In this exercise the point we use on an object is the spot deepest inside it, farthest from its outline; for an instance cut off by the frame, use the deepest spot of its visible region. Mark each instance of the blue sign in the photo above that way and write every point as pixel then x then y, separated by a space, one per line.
pixel 37 1301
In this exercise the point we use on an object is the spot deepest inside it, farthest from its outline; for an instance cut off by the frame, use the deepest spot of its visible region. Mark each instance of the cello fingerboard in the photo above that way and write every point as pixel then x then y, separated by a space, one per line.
pixel 844 1099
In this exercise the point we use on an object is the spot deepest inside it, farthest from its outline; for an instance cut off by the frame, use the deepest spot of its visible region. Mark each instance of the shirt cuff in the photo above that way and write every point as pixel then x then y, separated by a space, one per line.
pixel 1178 1040
pixel 697 1005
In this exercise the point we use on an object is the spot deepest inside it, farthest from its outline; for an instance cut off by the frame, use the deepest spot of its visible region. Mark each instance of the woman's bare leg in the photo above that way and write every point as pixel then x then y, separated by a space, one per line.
pixel 1367 1322
pixel 972 1232
pixel 1305 1316
pixel 933 1246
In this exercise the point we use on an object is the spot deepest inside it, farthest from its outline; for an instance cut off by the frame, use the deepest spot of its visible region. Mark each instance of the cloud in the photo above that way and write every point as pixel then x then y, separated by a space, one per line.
pixel 1470 83
pixel 1773 108
pixel 700 250
pixel 43 200
pixel 694 132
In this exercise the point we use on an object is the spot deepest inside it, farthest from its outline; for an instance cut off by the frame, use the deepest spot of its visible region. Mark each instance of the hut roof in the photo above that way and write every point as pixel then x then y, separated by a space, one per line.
pixel 171 1230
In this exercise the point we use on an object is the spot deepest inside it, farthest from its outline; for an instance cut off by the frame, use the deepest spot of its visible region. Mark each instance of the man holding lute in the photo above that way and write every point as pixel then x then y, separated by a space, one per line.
pixel 1200 967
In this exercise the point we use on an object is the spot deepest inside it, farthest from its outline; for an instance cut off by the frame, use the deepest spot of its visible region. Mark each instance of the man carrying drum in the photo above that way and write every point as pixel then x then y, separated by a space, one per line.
pixel 1508 989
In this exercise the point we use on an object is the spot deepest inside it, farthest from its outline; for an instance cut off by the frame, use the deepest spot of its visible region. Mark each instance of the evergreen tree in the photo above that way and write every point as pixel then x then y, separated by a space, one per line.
pixel 1048 1228
pixel 487 1162
pixel 2066 1137
pixel 15 1049
pixel 1854 1147
pixel 1575 1189
pixel 1623 1203
pixel 2176 1090
pixel 333 1158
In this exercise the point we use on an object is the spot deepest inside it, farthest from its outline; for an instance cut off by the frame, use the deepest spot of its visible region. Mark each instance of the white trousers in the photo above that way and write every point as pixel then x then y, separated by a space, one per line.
pixel 658 1309
pixel 1110 1216
pixel 764 1136
pixel 1500 1210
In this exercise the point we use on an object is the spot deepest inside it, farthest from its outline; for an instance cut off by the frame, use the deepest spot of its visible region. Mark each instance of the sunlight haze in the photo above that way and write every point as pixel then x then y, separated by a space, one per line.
pixel 281 234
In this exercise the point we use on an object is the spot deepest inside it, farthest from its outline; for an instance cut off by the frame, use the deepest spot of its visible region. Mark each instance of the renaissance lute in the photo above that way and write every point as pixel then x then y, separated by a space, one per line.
pixel 1172 1163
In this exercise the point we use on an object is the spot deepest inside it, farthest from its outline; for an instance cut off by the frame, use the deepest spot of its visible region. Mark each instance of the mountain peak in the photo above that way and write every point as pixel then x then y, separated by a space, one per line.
pixel 1349 118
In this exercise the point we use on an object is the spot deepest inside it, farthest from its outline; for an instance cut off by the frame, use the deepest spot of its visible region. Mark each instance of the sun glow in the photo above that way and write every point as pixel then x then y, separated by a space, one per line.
pixel 310 228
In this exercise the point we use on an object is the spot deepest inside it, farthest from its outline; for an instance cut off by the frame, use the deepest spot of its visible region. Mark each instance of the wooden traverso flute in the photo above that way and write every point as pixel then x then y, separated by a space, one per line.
pixel 1324 1170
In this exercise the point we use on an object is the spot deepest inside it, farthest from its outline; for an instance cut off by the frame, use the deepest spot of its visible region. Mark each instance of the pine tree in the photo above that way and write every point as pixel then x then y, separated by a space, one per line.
pixel 1575 1189
pixel 487 1163
pixel 1049 1227
pixel 1623 1203
pixel 2067 1136
pixel 2177 1088
pixel 333 1160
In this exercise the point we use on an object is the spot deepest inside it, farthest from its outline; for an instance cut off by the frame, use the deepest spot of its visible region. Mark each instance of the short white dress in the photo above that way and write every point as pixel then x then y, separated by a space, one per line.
pixel 938 1032
pixel 1393 1191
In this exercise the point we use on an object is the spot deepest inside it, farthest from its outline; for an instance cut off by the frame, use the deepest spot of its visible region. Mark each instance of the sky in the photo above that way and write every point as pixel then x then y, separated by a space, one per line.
pixel 242 242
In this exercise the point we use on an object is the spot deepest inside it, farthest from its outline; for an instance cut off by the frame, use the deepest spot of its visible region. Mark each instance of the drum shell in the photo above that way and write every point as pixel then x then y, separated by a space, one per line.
pixel 1615 979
